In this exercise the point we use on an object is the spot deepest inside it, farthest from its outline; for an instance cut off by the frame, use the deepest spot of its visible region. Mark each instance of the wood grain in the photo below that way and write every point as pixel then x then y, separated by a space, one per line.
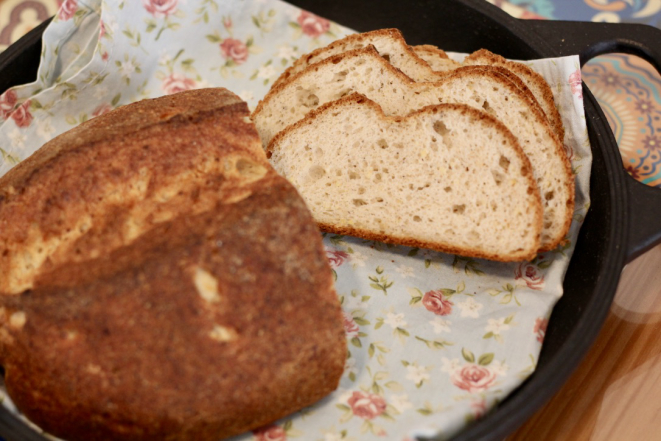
pixel 615 394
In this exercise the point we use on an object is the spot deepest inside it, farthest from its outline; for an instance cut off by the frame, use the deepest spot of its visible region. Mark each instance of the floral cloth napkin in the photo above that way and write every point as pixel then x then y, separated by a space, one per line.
pixel 435 340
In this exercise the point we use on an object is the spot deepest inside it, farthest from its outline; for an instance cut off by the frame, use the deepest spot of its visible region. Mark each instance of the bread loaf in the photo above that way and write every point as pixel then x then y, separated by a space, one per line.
pixel 214 318
pixel 100 185
pixel 446 177
pixel 365 72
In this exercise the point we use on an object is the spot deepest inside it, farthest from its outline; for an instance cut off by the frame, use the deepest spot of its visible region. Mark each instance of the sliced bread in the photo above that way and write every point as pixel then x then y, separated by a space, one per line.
pixel 365 72
pixel 447 177
pixel 437 59
pixel 534 81
pixel 430 63
pixel 388 42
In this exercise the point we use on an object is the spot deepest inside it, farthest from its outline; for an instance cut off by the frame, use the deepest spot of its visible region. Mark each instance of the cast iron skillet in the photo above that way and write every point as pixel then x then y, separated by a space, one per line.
pixel 624 219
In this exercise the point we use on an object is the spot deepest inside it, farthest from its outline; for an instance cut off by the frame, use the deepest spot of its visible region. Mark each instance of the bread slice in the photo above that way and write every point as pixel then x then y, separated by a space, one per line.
pixel 388 42
pixel 447 177
pixel 365 72
pixel 420 63
pixel 435 57
pixel 534 81
pixel 525 76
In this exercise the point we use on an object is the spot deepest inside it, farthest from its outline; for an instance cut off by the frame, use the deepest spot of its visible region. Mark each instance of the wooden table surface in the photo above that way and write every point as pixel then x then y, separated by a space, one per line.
pixel 615 394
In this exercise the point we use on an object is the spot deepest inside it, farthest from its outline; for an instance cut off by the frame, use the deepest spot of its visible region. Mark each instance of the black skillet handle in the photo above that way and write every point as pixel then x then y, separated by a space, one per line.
pixel 589 40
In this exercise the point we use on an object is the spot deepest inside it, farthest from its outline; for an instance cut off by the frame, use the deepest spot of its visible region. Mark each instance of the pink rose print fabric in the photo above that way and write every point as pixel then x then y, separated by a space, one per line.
pixel 101 109
pixel 22 116
pixel 234 50
pixel 67 9
pixel 174 83
pixel 575 83
pixel 312 25
pixel 436 303
pixel 530 275
pixel 336 258
pixel 270 433
pixel 540 328
pixel 350 326
pixel 7 102
pixel 160 8
pixel 473 378
pixel 366 405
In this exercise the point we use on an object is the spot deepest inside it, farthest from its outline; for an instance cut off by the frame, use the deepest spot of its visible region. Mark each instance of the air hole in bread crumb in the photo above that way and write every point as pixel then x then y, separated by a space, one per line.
pixel 359 202
pixel 504 162
pixel 353 175
pixel 340 76
pixel 459 209
pixel 549 195
pixel 487 107
pixel 386 57
pixel 497 176
pixel 494 206
pixel 441 128
pixel 317 172
pixel 448 189
pixel 338 172
pixel 309 100
pixel 417 219
pixel 524 114
pixel 377 177
pixel 382 143
pixel 379 199
pixel 361 190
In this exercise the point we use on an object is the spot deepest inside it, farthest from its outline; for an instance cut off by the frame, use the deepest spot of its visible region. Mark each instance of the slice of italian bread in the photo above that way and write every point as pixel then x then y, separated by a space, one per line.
pixel 534 81
pixel 447 177
pixel 356 71
pixel 420 63
pixel 437 59
pixel 388 42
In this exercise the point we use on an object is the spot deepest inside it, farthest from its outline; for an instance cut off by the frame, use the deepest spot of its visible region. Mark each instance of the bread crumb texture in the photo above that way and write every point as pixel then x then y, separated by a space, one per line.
pixel 446 177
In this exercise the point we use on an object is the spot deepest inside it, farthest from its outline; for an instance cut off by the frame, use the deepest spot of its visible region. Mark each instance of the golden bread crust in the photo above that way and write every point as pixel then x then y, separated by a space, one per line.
pixel 103 183
pixel 219 317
